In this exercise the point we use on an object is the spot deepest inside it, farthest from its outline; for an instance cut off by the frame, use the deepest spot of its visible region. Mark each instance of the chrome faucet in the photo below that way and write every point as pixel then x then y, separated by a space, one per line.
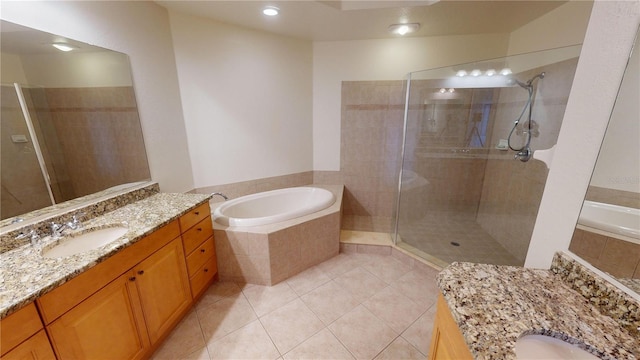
pixel 32 234
pixel 220 194
pixel 58 229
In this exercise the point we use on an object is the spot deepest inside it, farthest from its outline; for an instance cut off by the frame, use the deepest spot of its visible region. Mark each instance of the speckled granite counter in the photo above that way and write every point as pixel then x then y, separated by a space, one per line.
pixel 26 275
pixel 495 305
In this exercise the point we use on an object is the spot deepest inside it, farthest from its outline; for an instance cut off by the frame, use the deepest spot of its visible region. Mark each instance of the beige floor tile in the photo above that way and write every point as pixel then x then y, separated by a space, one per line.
pixel 400 349
pixel 185 339
pixel 291 325
pixel 395 309
pixel 329 302
pixel 419 286
pixel 218 291
pixel 308 280
pixel 387 268
pixel 419 333
pixel 339 265
pixel 224 316
pixel 248 342
pixel 321 346
pixel 200 354
pixel 362 333
pixel 265 299
pixel 360 283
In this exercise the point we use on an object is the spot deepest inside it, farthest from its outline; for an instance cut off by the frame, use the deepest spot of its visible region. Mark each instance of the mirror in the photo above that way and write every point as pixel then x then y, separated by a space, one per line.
pixel 70 124
pixel 608 232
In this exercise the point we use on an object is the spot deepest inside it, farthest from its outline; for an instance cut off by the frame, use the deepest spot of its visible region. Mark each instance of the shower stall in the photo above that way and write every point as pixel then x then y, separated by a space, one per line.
pixel 471 172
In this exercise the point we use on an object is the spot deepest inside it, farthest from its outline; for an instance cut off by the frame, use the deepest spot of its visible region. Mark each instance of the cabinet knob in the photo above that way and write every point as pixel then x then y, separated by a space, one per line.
pixel 202 250
pixel 133 278
pixel 197 212
pixel 140 272
pixel 199 229
pixel 206 270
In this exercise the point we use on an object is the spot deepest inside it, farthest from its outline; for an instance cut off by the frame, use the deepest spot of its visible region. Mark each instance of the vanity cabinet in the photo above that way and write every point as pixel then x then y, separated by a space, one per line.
pixel 127 316
pixel 199 247
pixel 23 337
pixel 108 325
pixel 446 341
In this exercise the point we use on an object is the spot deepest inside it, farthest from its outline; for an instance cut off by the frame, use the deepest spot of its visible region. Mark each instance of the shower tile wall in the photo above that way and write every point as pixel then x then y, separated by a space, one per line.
pixel 512 190
pixel 23 187
pixel 370 152
pixel 613 196
pixel 99 128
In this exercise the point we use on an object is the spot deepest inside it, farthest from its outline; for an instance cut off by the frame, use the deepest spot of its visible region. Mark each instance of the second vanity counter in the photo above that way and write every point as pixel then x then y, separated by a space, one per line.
pixel 493 306
pixel 25 274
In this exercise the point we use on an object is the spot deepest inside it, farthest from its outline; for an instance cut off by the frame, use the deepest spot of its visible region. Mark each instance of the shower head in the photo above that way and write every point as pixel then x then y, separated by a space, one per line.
pixel 529 82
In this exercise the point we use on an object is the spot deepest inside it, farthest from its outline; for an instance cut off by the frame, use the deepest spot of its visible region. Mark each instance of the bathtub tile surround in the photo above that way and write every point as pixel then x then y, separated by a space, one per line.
pixel 269 254
pixel 617 257
pixel 609 299
pixel 613 196
pixel 320 320
pixel 99 204
pixel 242 188
pixel 28 275
pixel 494 305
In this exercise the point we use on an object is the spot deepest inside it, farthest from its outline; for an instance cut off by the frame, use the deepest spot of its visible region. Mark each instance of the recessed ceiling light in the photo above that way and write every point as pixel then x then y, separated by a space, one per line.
pixel 64 46
pixel 403 29
pixel 271 11
pixel 505 71
pixel 461 73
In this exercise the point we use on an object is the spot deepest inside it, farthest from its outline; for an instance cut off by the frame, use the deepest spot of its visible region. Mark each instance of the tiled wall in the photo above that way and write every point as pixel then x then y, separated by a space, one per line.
pixel 617 257
pixel 512 190
pixel 23 187
pixel 100 129
pixel 614 197
pixel 370 150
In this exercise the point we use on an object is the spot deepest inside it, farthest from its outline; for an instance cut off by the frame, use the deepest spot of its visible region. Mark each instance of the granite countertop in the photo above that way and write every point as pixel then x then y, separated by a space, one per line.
pixel 25 274
pixel 495 305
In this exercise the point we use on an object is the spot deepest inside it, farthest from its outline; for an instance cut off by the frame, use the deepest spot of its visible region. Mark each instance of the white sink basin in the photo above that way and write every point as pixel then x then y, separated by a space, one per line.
pixel 548 348
pixel 89 240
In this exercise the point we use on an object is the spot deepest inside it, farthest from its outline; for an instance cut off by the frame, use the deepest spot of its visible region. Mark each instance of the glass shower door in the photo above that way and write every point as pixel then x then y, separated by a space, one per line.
pixel 462 195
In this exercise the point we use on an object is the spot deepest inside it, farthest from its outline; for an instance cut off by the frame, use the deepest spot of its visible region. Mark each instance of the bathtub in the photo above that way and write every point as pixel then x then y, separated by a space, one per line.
pixel 266 238
pixel 274 206
pixel 611 219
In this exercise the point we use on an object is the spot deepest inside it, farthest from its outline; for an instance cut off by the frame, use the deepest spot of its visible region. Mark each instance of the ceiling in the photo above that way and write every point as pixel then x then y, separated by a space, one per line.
pixel 363 19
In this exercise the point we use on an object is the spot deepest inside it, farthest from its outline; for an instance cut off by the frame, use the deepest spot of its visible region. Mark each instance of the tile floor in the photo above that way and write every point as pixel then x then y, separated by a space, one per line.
pixel 434 233
pixel 353 306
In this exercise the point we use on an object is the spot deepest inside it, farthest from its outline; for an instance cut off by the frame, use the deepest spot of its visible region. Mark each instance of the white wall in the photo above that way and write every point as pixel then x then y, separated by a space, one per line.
pixel 247 100
pixel 607 43
pixel 141 30
pixel 11 69
pixel 93 69
pixel 389 59
pixel 563 26
pixel 618 165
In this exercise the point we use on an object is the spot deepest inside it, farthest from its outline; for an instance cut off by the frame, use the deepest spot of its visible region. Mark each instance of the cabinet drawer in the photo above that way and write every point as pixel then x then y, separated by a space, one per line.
pixel 194 216
pixel 19 326
pixel 193 237
pixel 66 296
pixel 37 347
pixel 200 256
pixel 203 276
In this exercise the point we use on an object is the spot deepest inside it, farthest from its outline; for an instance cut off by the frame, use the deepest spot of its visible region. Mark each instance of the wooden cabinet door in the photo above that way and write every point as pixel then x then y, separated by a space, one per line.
pixel 107 325
pixel 163 287
pixel 36 347
pixel 447 343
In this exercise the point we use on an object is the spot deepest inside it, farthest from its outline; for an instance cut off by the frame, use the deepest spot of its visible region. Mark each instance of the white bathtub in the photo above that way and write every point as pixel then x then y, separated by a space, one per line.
pixel 611 219
pixel 273 206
